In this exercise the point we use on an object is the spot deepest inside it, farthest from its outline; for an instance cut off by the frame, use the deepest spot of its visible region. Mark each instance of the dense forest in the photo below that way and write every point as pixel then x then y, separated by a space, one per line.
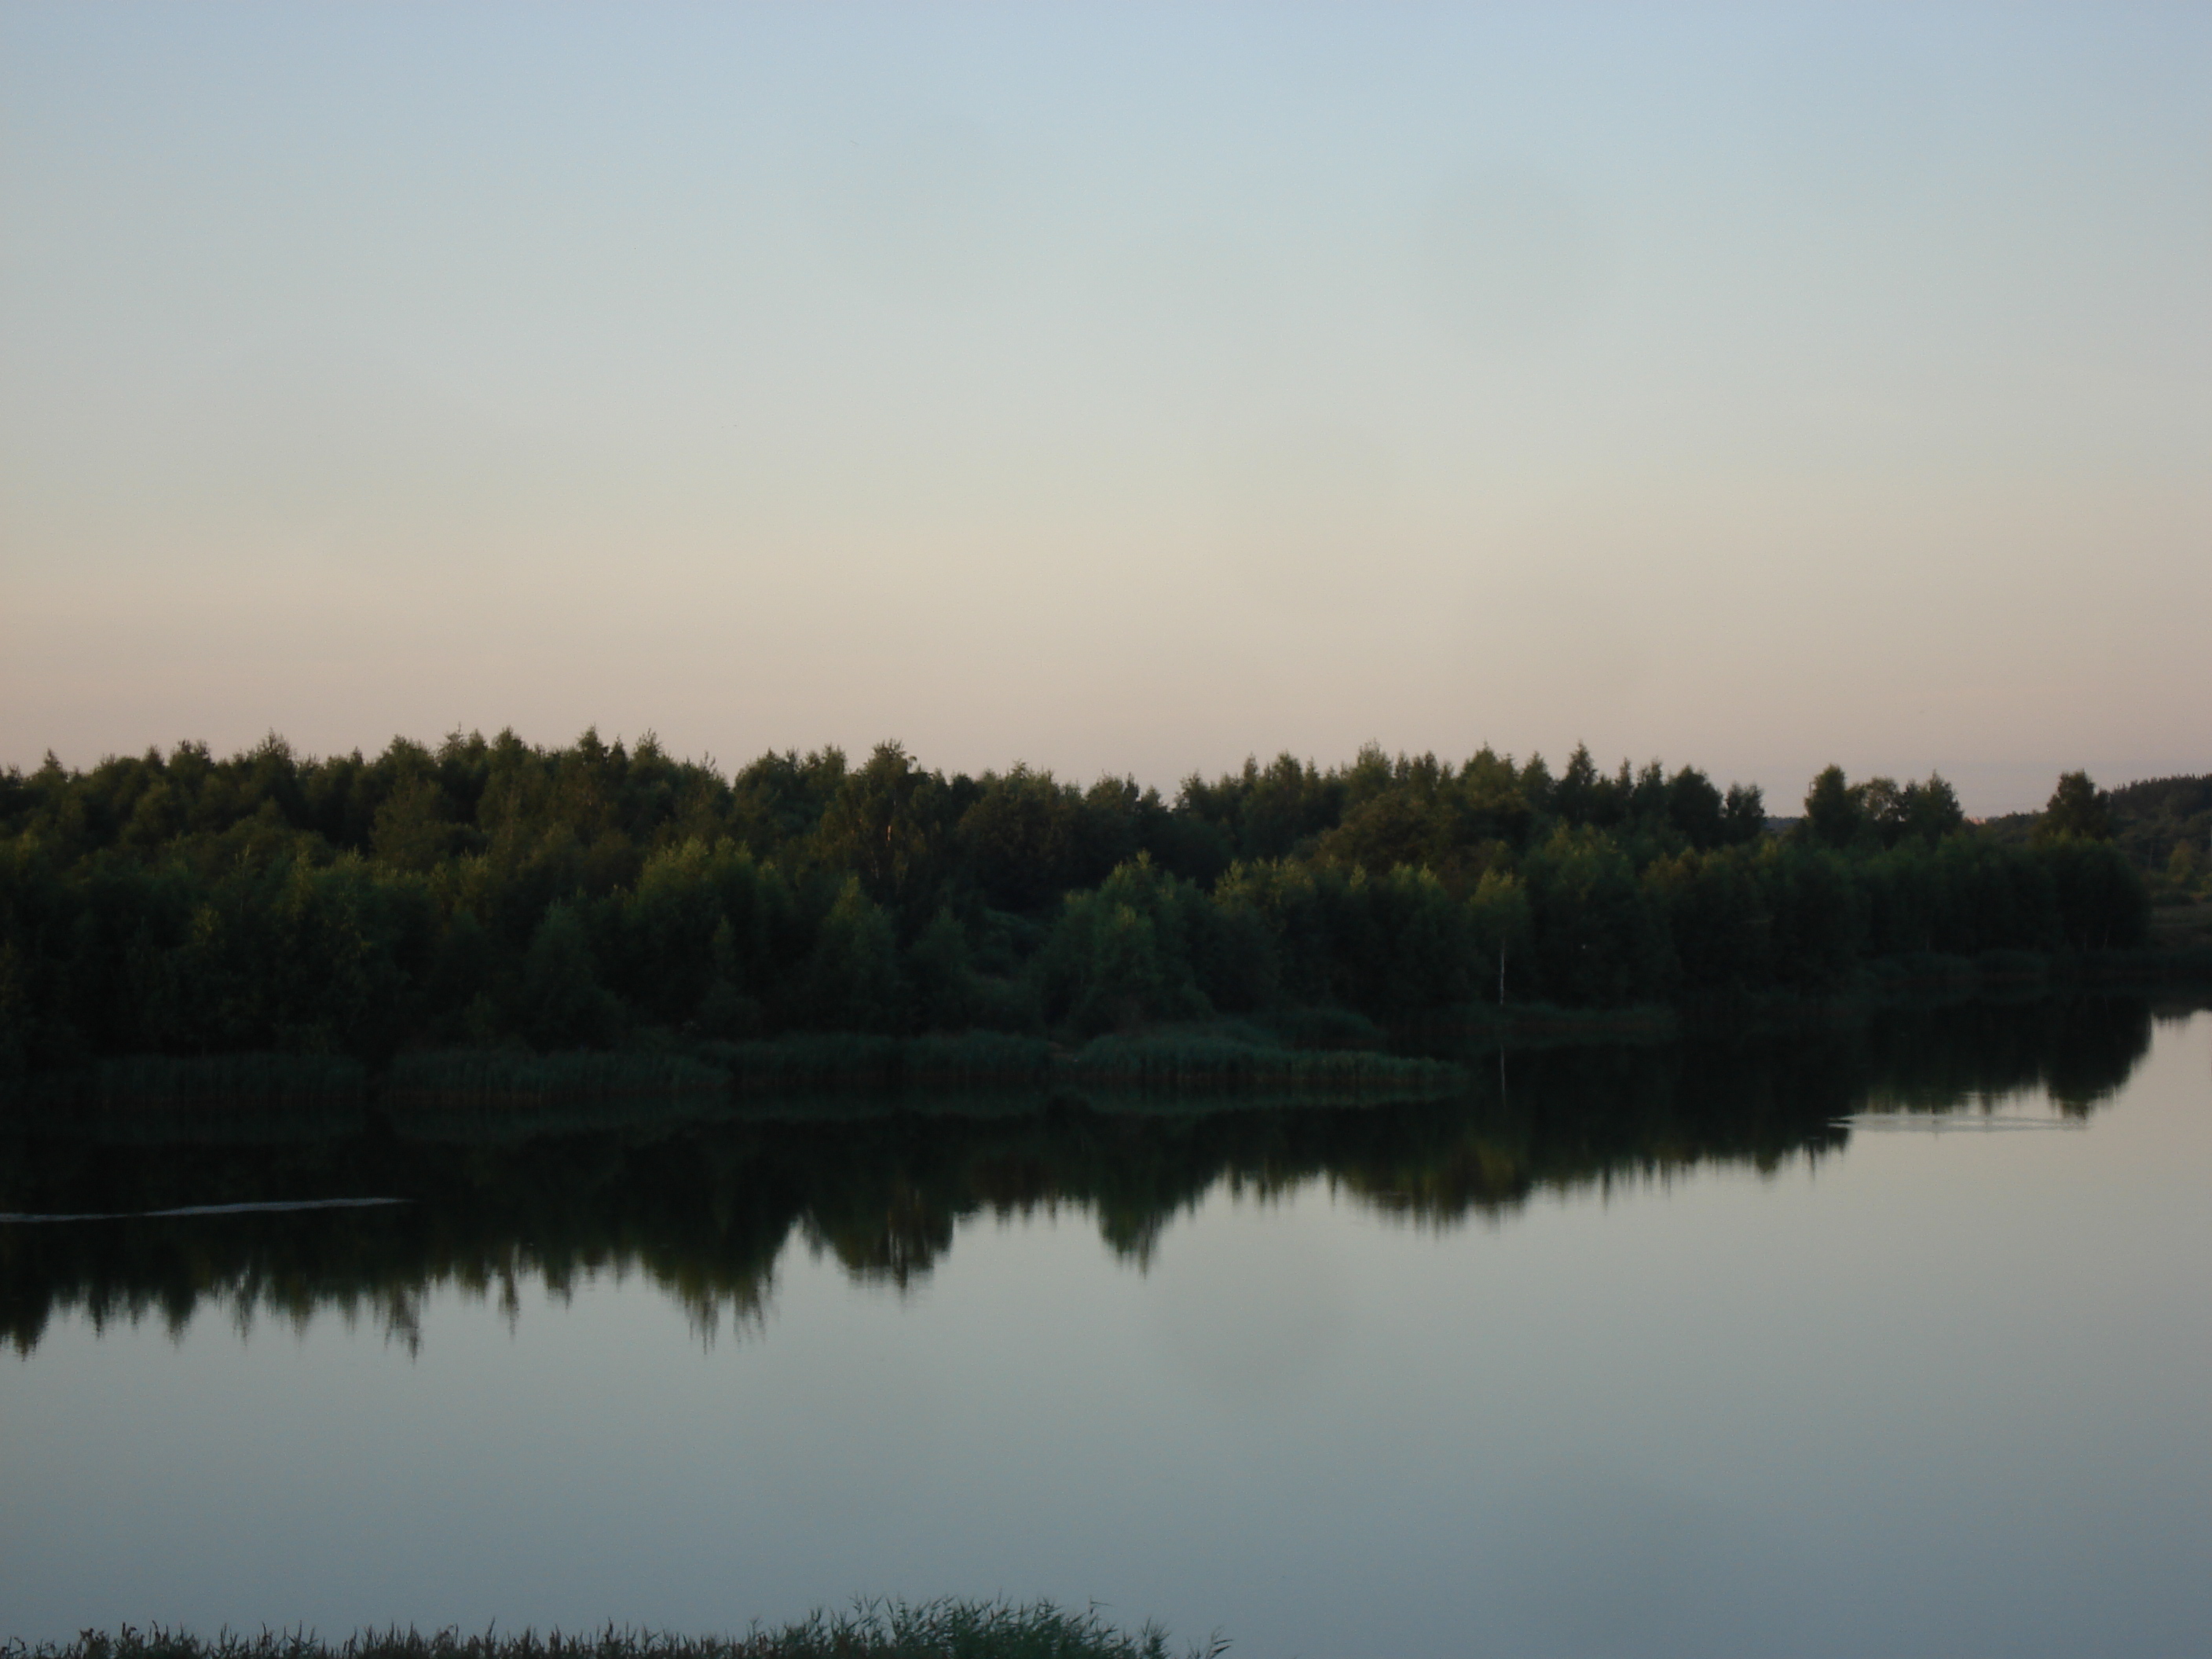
pixel 489 892
pixel 2164 825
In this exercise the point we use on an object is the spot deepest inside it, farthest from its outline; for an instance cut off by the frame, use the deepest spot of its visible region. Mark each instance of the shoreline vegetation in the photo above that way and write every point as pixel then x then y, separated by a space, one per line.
pixel 705 1196
pixel 946 1629
pixel 491 922
pixel 1233 1060
pixel 1321 1056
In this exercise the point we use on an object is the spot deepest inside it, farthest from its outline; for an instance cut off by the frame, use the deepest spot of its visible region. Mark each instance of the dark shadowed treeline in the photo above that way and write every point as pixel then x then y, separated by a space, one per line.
pixel 2164 826
pixel 489 892
pixel 705 1209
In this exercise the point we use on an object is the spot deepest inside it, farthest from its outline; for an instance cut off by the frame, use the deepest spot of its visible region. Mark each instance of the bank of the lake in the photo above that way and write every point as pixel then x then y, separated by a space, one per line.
pixel 1314 1054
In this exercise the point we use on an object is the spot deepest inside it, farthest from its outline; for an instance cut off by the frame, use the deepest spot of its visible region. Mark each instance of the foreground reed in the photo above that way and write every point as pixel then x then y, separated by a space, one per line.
pixel 946 1629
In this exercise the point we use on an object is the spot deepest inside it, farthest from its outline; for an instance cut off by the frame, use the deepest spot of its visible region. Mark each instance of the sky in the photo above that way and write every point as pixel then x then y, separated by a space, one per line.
pixel 1119 388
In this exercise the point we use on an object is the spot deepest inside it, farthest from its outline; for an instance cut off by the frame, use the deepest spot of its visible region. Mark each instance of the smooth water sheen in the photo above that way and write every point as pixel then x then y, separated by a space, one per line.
pixel 1903 1367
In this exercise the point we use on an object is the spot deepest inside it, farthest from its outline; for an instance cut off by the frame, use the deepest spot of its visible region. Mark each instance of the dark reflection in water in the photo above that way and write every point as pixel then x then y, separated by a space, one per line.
pixel 704 1208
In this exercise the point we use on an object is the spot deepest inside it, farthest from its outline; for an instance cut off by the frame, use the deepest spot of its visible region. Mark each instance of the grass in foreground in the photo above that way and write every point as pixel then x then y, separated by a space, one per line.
pixel 947 1629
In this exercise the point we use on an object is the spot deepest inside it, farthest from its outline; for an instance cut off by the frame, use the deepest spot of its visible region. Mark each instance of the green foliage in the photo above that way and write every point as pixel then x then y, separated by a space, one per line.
pixel 1878 811
pixel 485 893
pixel 1834 815
pixel 2078 811
pixel 1123 955
pixel 851 980
pixel 1743 815
pixel 2101 900
pixel 509 1078
pixel 158 1083
pixel 1199 1062
pixel 1920 811
pixel 563 1004
pixel 2185 867
pixel 886 825
pixel 1599 937
pixel 2165 825
pixel 1502 923
pixel 941 972
pixel 1023 840
pixel 704 935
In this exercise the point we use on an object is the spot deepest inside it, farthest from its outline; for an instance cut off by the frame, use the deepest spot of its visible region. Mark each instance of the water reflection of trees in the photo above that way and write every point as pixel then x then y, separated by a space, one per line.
pixel 704 1210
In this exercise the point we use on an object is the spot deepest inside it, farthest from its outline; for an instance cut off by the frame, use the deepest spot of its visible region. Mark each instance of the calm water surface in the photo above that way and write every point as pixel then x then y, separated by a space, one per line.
pixel 1898 1343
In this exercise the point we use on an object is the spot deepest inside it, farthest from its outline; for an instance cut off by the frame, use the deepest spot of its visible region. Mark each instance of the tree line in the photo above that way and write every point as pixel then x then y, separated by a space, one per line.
pixel 2164 826
pixel 490 891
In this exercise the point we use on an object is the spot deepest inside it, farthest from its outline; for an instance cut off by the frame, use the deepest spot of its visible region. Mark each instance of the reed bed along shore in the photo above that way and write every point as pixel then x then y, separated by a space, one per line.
pixel 454 1077
pixel 1318 1053
pixel 296 1085
pixel 426 1084
pixel 852 1062
pixel 947 1629
pixel 1203 1063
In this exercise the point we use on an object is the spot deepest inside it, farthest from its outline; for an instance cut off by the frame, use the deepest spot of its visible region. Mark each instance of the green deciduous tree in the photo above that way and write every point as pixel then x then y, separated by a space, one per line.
pixel 852 980
pixel 563 1004
pixel 1834 815
pixel 2076 809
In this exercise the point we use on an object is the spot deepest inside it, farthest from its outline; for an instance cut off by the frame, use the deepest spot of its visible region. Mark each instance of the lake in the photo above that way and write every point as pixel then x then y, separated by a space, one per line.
pixel 1895 1339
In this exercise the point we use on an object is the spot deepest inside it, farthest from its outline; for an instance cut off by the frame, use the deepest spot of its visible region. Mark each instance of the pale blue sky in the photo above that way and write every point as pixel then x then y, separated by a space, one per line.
pixel 1119 388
